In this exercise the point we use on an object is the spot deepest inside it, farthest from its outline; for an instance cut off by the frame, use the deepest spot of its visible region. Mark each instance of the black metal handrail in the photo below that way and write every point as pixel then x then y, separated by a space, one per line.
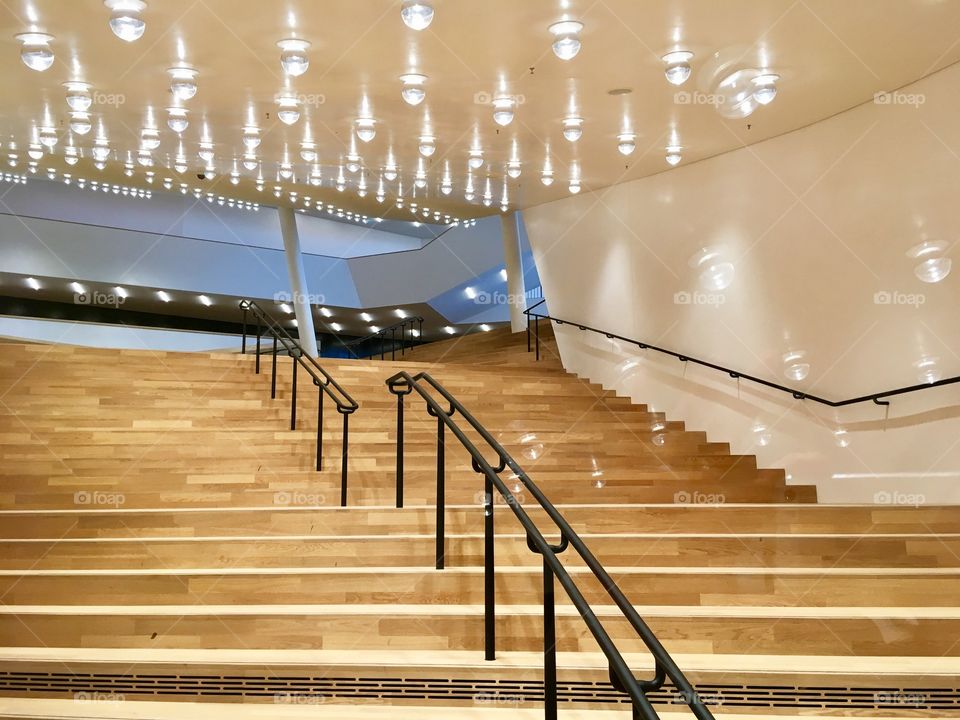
pixel 325 383
pixel 876 398
pixel 621 676
pixel 411 323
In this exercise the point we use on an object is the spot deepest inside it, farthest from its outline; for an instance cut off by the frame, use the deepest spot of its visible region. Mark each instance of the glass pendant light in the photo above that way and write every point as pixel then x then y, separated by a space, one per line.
pixel 573 128
pixel 546 177
pixel 353 162
pixel 428 145
pixel 70 155
pixel 183 82
pixel 177 119
pixel 766 88
pixel 206 152
pixel 416 14
pixel 566 38
pixel 678 68
pixel 475 159
pixel 36 53
pixel 673 154
pixel 125 20
pixel 503 110
pixel 101 151
pixel 514 169
pixel 80 123
pixel 35 151
pixel 366 129
pixel 308 151
pixel 293 59
pixel 626 143
pixel 289 109
pixel 250 161
pixel 251 137
pixel 390 172
pixel 413 92
pixel 286 170
pixel 48 137
pixel 150 138
pixel 315 178
pixel 78 96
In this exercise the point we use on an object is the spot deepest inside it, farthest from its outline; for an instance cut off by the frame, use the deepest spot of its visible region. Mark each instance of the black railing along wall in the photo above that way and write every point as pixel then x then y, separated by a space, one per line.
pixel 533 337
pixel 621 676
pixel 409 330
pixel 326 385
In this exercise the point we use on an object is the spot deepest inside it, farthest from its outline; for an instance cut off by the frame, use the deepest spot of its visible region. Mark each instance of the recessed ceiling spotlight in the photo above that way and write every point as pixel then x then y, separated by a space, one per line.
pixel 326 312
pixel 566 38
pixel 626 143
pixel 78 288
pixel 286 308
pixel 366 317
pixel 428 145
pixel 416 14
pixel 678 66
pixel 766 88
pixel 503 110
pixel 162 294
pixel 125 20
pixel 183 82
pixel 36 53
pixel 413 92
pixel 32 283
pixel 293 59
pixel 121 292
pixel 366 129
pixel 673 154
pixel 337 327
pixel 289 109
pixel 485 327
pixel 204 300
pixel 450 330
pixel 572 128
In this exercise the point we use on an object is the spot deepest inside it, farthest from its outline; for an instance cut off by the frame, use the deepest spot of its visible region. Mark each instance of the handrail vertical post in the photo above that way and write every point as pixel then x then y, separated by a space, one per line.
pixel 441 503
pixel 528 331
pixel 536 329
pixel 399 450
pixel 243 344
pixel 549 645
pixel 273 380
pixel 381 346
pixel 403 339
pixel 258 345
pixel 319 429
pixel 343 459
pixel 393 344
pixel 293 394
pixel 489 577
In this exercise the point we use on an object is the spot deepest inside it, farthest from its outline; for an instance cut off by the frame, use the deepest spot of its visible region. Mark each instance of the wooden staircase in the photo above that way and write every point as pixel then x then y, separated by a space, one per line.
pixel 167 545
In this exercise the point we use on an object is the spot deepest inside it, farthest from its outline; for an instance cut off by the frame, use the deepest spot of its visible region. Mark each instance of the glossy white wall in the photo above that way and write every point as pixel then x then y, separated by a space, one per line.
pixel 807 236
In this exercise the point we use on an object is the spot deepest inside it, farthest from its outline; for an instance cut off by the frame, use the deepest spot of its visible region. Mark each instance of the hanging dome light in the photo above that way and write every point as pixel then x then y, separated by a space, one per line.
pixel 36 53
pixel 420 179
pixel 234 178
pixel 678 66
pixel 626 143
pixel 428 145
pixel 475 159
pixel 149 138
pixel 250 161
pixel 180 164
pixel 934 266
pixel 293 59
pixel 35 151
pixel 353 162
pixel 289 111
pixel 572 128
pixel 503 110
pixel 416 14
pixel 125 20
pixel 80 123
pixel 566 38
pixel 78 96
pixel 546 177
pixel 48 137
pixel 251 138
pixel 183 82
pixel 795 366
pixel 413 92
pixel 766 88
pixel 177 119
pixel 308 151
pixel 673 154
pixel 144 158
pixel 446 185
pixel 390 172
pixel 514 169
pixel 70 155
pixel 101 151
pixel 286 170
pixel 315 177
pixel 366 129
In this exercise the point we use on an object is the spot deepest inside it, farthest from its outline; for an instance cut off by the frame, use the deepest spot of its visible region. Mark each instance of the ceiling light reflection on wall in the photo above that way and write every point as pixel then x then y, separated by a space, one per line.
pixel 678 68
pixel 125 20
pixel 566 38
pixel 416 14
pixel 293 59
pixel 933 265
pixel 795 366
pixel 928 371
pixel 413 92
pixel 36 53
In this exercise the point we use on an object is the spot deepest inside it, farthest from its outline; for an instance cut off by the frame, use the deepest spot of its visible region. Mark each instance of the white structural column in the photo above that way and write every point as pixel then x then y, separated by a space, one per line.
pixel 298 280
pixel 510 224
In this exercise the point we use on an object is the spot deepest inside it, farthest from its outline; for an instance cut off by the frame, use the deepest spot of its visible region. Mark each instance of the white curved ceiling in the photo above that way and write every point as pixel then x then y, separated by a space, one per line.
pixel 830 55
